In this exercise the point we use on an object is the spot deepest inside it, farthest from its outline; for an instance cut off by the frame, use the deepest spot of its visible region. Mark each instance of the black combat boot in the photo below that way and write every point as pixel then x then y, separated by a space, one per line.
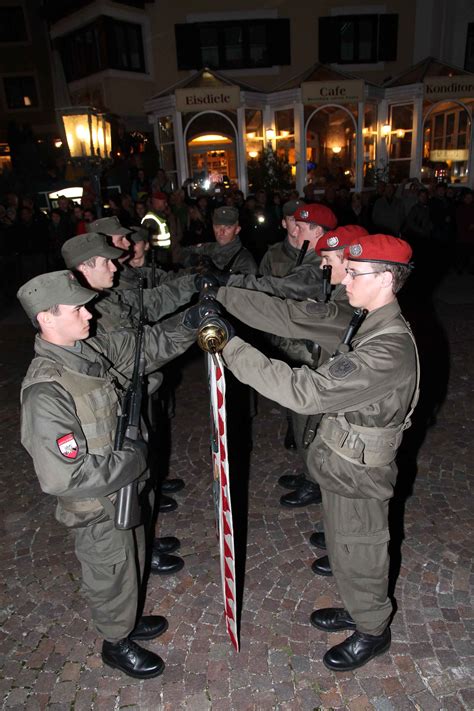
pixel 171 486
pixel 356 650
pixel 165 564
pixel 166 544
pixel 167 504
pixel 332 619
pixel 292 481
pixel 132 659
pixel 149 627
pixel 322 566
pixel 318 540
pixel 307 493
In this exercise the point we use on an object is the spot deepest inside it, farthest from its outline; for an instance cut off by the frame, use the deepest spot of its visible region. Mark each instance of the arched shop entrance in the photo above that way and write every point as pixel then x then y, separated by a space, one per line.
pixel 210 139
pixel 331 132
pixel 446 142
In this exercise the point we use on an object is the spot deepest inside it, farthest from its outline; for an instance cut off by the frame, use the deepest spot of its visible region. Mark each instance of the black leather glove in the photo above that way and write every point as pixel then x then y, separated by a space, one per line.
pixel 204 281
pixel 194 316
pixel 200 261
pixel 228 326
pixel 221 276
pixel 209 293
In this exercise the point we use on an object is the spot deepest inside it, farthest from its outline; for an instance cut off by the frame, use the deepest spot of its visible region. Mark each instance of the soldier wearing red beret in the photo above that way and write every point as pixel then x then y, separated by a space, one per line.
pixel 365 394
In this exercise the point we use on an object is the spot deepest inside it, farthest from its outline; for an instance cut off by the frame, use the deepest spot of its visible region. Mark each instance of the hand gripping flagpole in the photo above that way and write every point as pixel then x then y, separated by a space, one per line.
pixel 212 338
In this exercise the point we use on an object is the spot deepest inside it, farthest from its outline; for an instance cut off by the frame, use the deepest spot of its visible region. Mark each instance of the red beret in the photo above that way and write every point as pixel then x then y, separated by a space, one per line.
pixel 317 213
pixel 379 248
pixel 339 238
pixel 160 196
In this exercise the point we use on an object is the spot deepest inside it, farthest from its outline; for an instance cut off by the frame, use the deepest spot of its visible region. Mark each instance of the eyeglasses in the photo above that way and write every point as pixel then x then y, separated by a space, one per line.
pixel 353 274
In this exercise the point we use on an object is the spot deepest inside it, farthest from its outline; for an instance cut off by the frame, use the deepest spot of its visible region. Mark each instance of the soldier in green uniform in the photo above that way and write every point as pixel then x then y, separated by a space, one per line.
pixel 70 398
pixel 227 253
pixel 128 273
pixel 118 234
pixel 278 260
pixel 282 256
pixel 92 258
pixel 304 280
pixel 366 397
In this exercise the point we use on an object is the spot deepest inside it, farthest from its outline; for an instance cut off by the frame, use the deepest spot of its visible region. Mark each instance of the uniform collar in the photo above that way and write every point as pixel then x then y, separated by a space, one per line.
pixel 339 293
pixel 230 248
pixel 379 318
pixel 87 361
pixel 289 249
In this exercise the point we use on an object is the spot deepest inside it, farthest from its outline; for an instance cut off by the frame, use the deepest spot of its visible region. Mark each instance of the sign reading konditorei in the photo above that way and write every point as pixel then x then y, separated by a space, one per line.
pixel 458 87
pixel 332 92
pixel 198 98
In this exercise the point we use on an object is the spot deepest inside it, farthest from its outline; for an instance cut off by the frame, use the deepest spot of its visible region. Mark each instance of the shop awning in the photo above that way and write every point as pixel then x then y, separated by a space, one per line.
pixel 429 67
pixel 205 78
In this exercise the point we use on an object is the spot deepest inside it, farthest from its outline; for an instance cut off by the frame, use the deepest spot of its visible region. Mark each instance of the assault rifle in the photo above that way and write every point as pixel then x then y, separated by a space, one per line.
pixel 127 506
pixel 344 347
pixel 302 252
pixel 326 286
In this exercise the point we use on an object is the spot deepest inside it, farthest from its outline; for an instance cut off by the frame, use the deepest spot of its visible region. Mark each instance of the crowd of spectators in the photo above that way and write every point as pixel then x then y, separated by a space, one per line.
pixel 427 217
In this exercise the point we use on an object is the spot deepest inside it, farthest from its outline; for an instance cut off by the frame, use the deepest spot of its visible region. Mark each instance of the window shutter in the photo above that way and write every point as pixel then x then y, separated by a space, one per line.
pixel 388 38
pixel 188 54
pixel 279 42
pixel 329 39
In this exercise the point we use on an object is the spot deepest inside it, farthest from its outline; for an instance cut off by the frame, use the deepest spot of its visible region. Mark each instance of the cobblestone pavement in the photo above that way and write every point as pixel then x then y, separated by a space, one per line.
pixel 50 656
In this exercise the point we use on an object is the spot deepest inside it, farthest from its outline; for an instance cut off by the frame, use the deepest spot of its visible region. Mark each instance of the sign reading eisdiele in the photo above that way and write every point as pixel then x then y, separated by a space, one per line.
pixel 449 87
pixel 198 98
pixel 332 92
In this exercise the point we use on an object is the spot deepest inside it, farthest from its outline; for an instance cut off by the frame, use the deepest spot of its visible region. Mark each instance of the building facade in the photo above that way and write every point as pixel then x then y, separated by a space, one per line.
pixel 343 91
pixel 337 93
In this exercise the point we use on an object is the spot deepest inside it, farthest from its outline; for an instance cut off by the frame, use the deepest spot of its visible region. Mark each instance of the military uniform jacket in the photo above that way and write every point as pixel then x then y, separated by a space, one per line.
pixel 119 308
pixel 279 259
pixel 72 447
pixel 302 282
pixel 233 253
pixel 367 395
pixel 318 322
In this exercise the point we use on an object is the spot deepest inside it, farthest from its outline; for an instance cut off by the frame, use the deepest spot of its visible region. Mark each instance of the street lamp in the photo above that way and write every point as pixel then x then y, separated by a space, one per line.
pixel 88 136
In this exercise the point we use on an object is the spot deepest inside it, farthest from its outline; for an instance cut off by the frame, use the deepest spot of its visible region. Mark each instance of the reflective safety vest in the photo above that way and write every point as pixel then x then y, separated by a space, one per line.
pixel 159 229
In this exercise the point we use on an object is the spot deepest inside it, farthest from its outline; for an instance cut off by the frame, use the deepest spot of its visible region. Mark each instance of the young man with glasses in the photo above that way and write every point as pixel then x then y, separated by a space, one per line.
pixel 368 394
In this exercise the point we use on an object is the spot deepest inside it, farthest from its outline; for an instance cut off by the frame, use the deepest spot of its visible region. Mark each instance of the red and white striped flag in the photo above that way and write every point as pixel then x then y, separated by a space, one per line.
pixel 224 525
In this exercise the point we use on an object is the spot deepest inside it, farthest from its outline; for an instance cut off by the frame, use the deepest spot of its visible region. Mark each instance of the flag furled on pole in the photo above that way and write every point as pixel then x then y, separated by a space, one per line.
pixel 224 525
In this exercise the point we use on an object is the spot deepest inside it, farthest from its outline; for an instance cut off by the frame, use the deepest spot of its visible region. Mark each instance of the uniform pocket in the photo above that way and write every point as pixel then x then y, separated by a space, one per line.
pixel 375 538
pixel 101 544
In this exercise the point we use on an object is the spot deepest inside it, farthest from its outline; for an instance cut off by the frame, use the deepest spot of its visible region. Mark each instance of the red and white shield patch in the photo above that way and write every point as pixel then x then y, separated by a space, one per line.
pixel 68 446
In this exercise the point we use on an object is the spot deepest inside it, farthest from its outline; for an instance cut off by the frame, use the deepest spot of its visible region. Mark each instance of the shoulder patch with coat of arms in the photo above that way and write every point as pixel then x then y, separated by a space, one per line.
pixel 68 446
pixel 316 307
pixel 342 367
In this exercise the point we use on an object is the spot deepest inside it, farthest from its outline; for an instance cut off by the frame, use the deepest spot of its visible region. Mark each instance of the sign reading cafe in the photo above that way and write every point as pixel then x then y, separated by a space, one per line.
pixel 332 92
pixel 198 98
